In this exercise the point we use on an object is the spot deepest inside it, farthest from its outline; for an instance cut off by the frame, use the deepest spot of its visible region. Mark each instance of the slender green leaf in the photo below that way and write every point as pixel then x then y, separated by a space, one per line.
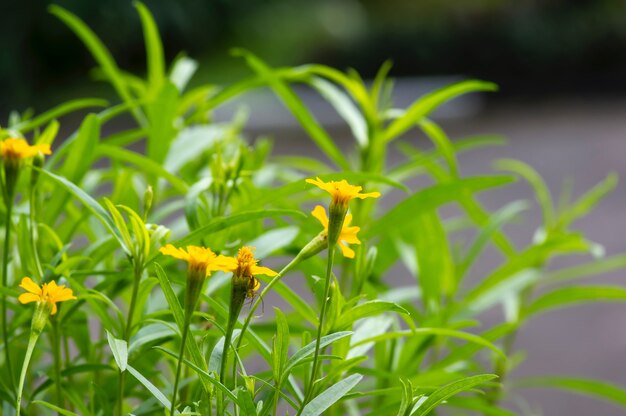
pixel 161 114
pixel 594 388
pixel 364 310
pixel 280 351
pixel 432 197
pixel 566 296
pixel 330 396
pixel 154 48
pixel 536 181
pixel 142 163
pixel 179 317
pixel 119 348
pixel 308 349
pixel 221 223
pixel 429 102
pixel 429 332
pixel 57 112
pixel 151 387
pixel 91 204
pixel 297 108
pixel 593 268
pixel 450 390
pixel 436 268
pixel 344 106
pixel 55 408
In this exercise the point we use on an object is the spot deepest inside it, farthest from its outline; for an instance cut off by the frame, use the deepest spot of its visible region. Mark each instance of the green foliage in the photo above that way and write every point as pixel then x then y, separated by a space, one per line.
pixel 94 216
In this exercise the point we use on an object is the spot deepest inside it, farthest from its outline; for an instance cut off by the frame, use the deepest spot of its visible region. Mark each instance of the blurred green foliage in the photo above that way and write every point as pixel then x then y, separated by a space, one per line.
pixel 527 46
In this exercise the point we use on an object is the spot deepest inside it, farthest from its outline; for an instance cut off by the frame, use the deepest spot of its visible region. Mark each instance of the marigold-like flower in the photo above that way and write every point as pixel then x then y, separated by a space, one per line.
pixel 50 293
pixel 247 264
pixel 347 234
pixel 201 261
pixel 245 269
pixel 341 191
pixel 17 148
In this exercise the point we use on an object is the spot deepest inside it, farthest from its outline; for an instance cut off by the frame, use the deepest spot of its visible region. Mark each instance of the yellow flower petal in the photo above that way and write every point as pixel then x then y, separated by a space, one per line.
pixel 30 286
pixel 341 191
pixel 25 298
pixel 18 148
pixel 348 234
pixel 263 270
pixel 50 293
pixel 345 250
pixel 320 214
pixel 63 294
pixel 177 253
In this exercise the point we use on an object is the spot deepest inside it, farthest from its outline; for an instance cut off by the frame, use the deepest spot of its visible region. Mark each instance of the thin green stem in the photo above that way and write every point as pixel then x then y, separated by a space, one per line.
pixel 501 367
pixel 259 299
pixel 179 366
pixel 318 339
pixel 236 304
pixel 29 352
pixel 33 231
pixel 128 333
pixel 133 303
pixel 5 278
pixel 56 352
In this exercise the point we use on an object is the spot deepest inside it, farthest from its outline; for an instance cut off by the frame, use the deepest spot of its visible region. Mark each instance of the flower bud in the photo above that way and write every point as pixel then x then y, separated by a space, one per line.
pixel 34 173
pixel 148 196
pixel 40 317
pixel 336 215
pixel 316 245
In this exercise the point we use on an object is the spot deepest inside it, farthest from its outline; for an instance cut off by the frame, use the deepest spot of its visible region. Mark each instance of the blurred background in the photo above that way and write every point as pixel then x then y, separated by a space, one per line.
pixel 530 48
pixel 560 64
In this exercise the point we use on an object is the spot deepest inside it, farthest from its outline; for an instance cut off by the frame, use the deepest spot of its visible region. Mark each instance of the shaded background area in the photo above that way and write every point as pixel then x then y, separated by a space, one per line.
pixel 561 66
pixel 530 47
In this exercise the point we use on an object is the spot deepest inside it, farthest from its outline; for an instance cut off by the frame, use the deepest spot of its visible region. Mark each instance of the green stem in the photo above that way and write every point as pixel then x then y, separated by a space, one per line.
pixel 259 299
pixel 5 278
pixel 236 304
pixel 501 367
pixel 133 303
pixel 318 340
pixel 180 361
pixel 56 351
pixel 33 232
pixel 127 334
pixel 29 352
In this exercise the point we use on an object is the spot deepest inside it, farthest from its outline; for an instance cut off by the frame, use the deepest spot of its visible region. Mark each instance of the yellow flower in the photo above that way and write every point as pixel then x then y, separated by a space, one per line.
pixel 341 191
pixel 244 270
pixel 201 261
pixel 247 264
pixel 16 149
pixel 347 234
pixel 48 292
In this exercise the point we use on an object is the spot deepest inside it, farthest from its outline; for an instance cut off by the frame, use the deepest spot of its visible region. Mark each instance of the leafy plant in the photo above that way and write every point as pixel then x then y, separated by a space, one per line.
pixel 146 337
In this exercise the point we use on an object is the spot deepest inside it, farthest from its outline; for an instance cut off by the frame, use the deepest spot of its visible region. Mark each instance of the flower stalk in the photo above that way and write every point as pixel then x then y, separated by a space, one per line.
pixel 47 296
pixel 201 262
pixel 318 340
pixel 5 278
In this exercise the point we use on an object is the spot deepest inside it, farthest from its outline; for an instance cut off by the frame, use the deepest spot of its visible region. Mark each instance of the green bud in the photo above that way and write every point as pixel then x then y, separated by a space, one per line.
pixel 11 174
pixel 40 317
pixel 249 382
pixel 148 196
pixel 336 215
pixel 34 173
pixel 316 245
